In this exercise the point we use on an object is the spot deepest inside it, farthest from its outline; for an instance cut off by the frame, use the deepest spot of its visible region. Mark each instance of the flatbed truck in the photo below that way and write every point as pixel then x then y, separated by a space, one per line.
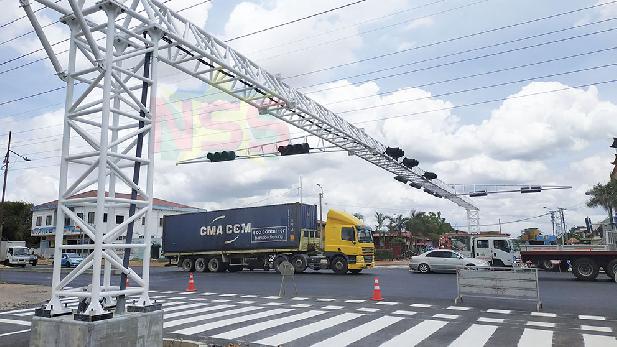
pixel 264 237
pixel 585 260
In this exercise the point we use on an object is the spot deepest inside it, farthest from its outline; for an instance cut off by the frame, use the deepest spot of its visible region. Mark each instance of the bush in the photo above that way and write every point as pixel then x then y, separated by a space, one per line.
pixel 384 254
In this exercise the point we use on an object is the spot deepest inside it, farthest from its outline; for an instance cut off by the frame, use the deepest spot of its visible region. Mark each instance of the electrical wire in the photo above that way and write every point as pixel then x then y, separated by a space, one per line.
pixel 294 20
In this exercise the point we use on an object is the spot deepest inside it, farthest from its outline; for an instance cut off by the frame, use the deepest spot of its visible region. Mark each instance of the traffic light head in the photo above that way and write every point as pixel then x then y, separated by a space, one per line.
pixel 531 189
pixel 298 148
pixel 410 163
pixel 394 152
pixel 415 185
pixel 614 145
pixel 429 175
pixel 401 179
pixel 216 157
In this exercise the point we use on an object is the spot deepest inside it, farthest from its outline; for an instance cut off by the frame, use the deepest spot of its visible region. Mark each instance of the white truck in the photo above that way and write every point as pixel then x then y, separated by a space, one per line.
pixel 498 250
pixel 15 253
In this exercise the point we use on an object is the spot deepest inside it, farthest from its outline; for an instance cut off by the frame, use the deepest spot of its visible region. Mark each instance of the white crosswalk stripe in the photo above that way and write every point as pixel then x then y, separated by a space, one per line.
pixel 14 321
pixel 475 336
pixel 221 323
pixel 536 338
pixel 415 334
pixel 196 311
pixel 236 333
pixel 197 318
pixel 352 335
pixel 599 341
pixel 303 331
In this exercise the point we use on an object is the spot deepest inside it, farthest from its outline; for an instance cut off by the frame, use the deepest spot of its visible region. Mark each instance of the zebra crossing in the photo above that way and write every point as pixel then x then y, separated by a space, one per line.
pixel 303 321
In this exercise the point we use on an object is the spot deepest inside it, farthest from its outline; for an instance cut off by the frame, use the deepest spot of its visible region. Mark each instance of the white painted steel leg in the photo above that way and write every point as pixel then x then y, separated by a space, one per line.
pixel 54 304
pixel 473 220
pixel 144 300
pixel 95 307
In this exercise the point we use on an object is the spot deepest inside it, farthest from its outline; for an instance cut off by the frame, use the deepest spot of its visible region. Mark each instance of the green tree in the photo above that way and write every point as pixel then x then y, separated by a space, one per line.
pixel 397 224
pixel 381 220
pixel 359 216
pixel 18 222
pixel 428 225
pixel 605 196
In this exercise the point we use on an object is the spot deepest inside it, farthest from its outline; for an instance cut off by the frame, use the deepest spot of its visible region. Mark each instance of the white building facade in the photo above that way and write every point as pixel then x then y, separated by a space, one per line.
pixel 44 222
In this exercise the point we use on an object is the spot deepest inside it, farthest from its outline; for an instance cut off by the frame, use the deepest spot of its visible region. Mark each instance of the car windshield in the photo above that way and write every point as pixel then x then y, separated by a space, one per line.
pixel 20 251
pixel 365 234
pixel 73 255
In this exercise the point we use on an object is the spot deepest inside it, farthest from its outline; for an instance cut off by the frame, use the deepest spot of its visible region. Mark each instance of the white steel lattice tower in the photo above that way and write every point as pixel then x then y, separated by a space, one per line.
pixel 110 108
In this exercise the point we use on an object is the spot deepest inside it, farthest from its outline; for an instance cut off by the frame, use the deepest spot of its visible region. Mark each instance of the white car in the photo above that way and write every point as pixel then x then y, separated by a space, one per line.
pixel 443 260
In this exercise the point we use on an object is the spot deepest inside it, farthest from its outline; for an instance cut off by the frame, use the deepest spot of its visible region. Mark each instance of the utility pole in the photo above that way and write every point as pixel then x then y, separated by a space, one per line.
pixel 320 210
pixel 6 171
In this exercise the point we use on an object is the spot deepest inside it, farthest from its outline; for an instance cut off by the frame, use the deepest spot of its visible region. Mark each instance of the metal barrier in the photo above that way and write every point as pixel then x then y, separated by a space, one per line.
pixel 498 283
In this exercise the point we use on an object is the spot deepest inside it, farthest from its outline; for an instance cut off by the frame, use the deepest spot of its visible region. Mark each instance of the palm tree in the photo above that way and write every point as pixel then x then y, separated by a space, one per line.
pixel 605 196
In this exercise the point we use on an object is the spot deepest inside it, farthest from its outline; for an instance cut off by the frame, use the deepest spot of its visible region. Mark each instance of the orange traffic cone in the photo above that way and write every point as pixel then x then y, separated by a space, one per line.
pixel 376 291
pixel 191 287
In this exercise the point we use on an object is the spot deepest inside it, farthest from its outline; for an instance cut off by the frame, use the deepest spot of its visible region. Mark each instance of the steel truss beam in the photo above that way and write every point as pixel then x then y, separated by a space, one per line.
pixel 135 28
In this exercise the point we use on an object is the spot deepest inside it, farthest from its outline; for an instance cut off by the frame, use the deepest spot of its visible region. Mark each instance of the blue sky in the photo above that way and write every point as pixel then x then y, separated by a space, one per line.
pixel 551 138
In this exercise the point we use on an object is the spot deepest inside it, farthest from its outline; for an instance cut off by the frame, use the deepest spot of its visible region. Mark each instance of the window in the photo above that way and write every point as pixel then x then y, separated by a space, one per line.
pixel 39 221
pixel 104 217
pixel 49 219
pixel 348 234
pixel 502 245
pixel 482 243
pixel 454 255
pixel 90 217
pixel 67 220
pixel 119 219
pixel 439 254
pixel 80 215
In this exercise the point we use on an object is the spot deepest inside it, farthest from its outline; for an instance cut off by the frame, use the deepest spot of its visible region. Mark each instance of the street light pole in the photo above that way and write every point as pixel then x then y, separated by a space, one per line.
pixel 320 210
pixel 6 171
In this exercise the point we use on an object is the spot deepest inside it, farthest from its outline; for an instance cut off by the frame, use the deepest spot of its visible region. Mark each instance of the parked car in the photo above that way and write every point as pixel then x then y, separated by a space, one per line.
pixel 71 259
pixel 443 260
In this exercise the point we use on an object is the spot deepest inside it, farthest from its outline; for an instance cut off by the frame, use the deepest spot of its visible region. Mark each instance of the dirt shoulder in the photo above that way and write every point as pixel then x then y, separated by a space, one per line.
pixel 22 295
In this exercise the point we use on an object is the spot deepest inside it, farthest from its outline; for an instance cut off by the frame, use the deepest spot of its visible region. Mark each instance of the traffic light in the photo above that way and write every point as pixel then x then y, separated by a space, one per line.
pixel 429 175
pixel 298 148
pixel 401 179
pixel 410 163
pixel 531 189
pixel 478 193
pixel 614 145
pixel 395 152
pixel 415 185
pixel 221 156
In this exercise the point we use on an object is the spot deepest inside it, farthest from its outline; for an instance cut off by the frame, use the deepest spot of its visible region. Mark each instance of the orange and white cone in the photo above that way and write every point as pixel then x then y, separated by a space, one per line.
pixel 191 287
pixel 376 291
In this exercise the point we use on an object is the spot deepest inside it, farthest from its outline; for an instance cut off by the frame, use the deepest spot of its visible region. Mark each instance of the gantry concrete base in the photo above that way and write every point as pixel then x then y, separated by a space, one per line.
pixel 143 329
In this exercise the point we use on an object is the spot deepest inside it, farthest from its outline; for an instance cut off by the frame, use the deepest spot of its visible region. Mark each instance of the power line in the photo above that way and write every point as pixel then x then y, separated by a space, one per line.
pixel 455 38
pixel 493 54
pixel 295 20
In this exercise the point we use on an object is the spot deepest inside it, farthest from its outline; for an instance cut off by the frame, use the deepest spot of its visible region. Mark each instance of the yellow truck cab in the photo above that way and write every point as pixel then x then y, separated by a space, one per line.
pixel 348 243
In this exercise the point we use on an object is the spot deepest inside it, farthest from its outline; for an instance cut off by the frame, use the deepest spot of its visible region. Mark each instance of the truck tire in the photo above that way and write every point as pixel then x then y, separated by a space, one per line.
pixel 299 262
pixel 585 269
pixel 611 269
pixel 339 265
pixel 215 264
pixel 188 265
pixel 201 265
pixel 548 265
pixel 277 261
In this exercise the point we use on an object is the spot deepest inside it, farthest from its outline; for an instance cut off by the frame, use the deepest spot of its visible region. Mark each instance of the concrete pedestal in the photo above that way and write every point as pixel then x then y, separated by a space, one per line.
pixel 130 329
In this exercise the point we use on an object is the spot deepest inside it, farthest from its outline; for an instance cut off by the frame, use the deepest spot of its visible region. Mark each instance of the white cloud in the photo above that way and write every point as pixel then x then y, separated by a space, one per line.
pixel 420 23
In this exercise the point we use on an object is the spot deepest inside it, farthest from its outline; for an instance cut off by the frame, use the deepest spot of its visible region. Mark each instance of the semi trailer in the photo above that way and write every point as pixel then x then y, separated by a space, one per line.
pixel 585 260
pixel 264 237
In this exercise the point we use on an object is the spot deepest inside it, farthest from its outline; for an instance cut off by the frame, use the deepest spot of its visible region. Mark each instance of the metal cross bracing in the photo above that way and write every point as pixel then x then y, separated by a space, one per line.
pixel 117 85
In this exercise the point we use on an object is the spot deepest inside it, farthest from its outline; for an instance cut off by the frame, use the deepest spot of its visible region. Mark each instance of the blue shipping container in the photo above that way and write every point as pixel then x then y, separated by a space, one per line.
pixel 251 228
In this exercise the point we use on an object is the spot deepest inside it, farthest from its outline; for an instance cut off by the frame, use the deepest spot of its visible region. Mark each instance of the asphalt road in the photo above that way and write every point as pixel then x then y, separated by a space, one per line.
pixel 559 292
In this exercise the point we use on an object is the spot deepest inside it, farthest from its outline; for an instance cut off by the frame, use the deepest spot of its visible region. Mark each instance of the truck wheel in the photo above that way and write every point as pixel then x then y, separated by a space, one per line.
pixel 188 265
pixel 201 265
pixel 611 269
pixel 585 269
pixel 339 265
pixel 215 265
pixel 299 262
pixel 277 261
pixel 548 265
